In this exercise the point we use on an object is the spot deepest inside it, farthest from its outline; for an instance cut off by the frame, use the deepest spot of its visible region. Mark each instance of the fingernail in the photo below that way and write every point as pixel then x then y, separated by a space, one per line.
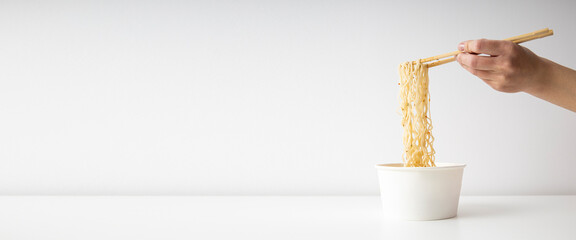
pixel 461 47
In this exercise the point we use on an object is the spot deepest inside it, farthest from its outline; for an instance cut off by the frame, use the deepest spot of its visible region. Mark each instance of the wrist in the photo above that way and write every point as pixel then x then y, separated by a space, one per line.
pixel 542 77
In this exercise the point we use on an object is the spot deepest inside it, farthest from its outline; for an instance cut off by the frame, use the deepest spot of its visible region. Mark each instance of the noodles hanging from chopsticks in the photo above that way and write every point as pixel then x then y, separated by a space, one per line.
pixel 415 106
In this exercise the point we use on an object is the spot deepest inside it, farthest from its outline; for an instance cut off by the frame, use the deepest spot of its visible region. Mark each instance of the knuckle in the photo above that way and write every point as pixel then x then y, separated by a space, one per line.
pixel 509 49
pixel 477 45
pixel 498 86
pixel 473 62
pixel 474 71
pixel 503 84
pixel 508 46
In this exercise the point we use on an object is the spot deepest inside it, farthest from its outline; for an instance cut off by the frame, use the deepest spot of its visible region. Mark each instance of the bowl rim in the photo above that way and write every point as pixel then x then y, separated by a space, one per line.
pixel 400 167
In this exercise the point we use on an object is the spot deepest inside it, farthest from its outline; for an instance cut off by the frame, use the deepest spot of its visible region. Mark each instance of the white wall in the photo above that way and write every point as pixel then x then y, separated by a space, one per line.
pixel 265 97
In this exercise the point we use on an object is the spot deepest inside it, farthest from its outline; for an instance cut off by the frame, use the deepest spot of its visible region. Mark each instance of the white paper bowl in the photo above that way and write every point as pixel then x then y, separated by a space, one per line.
pixel 428 193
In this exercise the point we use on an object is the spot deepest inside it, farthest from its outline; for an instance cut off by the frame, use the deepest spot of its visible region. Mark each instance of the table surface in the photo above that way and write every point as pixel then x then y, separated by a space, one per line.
pixel 276 217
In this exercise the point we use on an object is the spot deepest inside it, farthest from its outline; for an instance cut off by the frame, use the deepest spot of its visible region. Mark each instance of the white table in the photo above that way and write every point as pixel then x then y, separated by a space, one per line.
pixel 276 217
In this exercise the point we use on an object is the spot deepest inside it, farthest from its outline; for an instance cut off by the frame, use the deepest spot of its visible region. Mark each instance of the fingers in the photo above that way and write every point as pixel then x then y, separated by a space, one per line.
pixel 485 46
pixel 485 75
pixel 477 62
pixel 503 65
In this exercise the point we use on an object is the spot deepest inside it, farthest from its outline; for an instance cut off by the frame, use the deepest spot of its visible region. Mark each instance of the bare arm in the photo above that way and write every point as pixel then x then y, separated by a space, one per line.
pixel 513 68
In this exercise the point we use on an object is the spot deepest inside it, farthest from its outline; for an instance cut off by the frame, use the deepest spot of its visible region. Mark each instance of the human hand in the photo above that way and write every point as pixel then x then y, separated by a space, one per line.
pixel 504 65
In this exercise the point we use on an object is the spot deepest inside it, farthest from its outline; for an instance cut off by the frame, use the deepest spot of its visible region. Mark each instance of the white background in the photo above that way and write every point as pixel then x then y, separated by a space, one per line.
pixel 265 97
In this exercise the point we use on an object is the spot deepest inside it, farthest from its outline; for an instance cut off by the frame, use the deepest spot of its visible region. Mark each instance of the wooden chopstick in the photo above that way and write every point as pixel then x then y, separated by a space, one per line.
pixel 536 36
pixel 528 35
pixel 448 57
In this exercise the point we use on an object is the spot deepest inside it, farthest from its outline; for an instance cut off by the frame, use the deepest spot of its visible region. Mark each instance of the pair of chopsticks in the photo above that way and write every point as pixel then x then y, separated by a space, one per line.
pixel 449 57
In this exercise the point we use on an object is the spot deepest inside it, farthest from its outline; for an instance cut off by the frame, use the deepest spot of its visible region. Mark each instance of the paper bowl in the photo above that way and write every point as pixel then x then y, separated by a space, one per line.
pixel 420 193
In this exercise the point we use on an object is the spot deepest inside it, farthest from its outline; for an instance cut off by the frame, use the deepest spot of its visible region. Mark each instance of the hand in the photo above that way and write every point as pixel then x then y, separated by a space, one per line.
pixel 504 65
pixel 509 67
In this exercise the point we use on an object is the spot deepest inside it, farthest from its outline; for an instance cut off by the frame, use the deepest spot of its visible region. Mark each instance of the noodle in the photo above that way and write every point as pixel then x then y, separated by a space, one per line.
pixel 415 106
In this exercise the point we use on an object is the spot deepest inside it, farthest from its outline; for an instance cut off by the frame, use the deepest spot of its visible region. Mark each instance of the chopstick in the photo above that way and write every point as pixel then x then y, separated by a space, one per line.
pixel 448 57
